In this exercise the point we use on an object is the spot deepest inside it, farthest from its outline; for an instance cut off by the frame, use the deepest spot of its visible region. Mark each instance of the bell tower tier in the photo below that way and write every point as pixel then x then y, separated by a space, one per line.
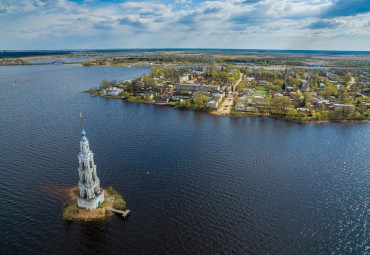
pixel 91 195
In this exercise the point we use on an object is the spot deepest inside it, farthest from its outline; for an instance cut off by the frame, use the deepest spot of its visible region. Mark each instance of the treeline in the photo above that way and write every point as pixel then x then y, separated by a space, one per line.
pixel 156 59
pixel 263 61
pixel 357 64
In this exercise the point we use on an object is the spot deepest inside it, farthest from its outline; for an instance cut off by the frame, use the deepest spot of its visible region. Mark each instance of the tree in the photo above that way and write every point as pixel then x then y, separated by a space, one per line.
pixel 281 105
pixel 307 98
pixel 200 101
pixel 104 84
pixel 343 93
pixel 148 81
pixel 297 100
pixel 329 90
pixel 348 77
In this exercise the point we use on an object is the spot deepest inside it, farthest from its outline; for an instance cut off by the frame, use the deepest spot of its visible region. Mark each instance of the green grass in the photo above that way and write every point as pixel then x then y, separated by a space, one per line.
pixel 118 203
pixel 261 92
pixel 70 210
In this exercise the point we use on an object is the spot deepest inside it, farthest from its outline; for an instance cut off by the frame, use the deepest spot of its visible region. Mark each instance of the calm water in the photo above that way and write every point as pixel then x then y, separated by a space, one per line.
pixel 217 185
pixel 81 59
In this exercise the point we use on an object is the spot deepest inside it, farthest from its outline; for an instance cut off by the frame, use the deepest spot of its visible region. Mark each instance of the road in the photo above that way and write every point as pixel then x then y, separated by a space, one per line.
pixel 229 101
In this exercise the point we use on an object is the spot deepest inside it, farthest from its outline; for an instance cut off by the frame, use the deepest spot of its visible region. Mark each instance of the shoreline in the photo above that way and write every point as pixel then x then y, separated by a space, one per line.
pixel 241 114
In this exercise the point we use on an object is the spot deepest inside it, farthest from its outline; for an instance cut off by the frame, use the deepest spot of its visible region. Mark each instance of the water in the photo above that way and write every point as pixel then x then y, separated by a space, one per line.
pixel 82 59
pixel 216 185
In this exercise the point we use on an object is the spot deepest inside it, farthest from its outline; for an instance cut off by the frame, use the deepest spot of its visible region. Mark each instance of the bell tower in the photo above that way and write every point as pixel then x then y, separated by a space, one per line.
pixel 91 195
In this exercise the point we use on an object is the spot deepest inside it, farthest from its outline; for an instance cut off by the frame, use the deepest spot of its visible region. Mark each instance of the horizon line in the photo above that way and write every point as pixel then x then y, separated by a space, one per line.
pixel 182 48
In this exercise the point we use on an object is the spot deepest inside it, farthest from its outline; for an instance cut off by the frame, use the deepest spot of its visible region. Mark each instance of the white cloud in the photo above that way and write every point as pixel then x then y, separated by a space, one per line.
pixel 219 23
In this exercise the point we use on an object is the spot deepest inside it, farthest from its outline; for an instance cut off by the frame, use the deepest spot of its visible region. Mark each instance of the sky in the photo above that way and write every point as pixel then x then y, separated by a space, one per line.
pixel 230 24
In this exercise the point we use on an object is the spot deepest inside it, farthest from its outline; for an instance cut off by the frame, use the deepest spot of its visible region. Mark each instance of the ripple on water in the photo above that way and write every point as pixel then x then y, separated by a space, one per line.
pixel 216 185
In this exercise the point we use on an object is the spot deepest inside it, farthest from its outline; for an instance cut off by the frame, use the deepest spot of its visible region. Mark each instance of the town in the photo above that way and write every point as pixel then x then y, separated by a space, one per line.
pixel 300 94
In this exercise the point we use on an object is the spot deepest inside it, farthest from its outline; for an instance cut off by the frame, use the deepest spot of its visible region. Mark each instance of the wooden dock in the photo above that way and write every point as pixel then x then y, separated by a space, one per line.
pixel 124 214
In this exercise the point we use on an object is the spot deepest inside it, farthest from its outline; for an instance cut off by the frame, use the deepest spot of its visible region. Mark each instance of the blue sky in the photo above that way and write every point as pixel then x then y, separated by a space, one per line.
pixel 244 24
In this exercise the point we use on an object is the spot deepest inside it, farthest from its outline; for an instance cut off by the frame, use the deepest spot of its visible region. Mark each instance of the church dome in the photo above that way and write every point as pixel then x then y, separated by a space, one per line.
pixel 83 137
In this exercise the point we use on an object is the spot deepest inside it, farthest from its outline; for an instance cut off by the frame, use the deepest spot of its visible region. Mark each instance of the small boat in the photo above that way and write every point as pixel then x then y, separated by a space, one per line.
pixel 147 172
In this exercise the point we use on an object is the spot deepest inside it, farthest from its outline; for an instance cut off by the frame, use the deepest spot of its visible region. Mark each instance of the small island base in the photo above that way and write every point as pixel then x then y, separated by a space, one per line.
pixel 112 200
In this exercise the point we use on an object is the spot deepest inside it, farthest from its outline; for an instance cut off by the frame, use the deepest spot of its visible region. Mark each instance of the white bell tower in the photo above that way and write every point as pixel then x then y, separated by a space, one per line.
pixel 91 195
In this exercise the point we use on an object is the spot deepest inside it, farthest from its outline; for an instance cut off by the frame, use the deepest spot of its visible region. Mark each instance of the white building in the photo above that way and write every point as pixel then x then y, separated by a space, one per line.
pixel 115 92
pixel 185 77
pixel 305 86
pixel 257 100
pixel 91 195
pixel 197 88
pixel 212 104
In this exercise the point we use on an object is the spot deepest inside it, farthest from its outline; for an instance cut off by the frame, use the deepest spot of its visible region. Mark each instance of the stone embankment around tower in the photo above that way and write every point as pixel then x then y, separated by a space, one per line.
pixel 112 199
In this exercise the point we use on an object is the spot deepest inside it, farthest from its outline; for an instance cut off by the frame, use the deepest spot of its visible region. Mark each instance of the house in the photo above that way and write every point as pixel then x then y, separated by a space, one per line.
pixel 163 99
pixel 322 85
pixel 115 92
pixel 212 104
pixel 148 95
pixel 348 108
pixel 366 91
pixel 364 107
pixel 262 83
pixel 218 96
pixel 178 98
pixel 197 74
pixel 323 102
pixel 102 91
pixel 331 76
pixel 257 100
pixel 241 106
pixel 289 88
pixel 305 86
pixel 185 77
pixel 303 110
pixel 182 87
pixel 249 79
pixel 247 91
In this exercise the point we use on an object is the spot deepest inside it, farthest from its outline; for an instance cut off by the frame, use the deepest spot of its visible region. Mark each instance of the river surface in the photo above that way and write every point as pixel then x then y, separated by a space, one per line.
pixel 217 185
pixel 82 59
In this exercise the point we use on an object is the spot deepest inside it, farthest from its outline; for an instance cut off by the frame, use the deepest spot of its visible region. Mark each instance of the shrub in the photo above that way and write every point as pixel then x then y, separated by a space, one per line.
pixel 67 215
pixel 119 204
pixel 110 190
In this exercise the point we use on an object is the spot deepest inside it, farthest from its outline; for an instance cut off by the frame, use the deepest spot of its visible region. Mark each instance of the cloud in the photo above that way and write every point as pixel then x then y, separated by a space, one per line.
pixel 8 6
pixel 185 23
pixel 322 24
pixel 131 22
pixel 340 8
pixel 64 6
pixel 183 2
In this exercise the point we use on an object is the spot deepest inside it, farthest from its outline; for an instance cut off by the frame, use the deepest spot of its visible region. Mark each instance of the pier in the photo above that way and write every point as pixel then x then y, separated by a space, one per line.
pixel 124 214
